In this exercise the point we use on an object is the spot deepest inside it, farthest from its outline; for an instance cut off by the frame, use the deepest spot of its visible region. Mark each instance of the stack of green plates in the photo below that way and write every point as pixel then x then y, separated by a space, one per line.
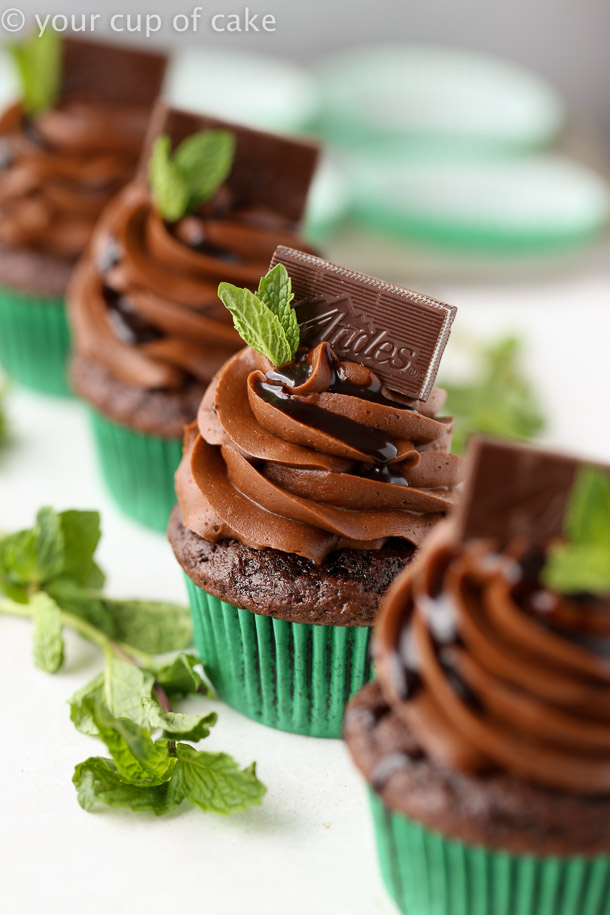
pixel 508 206
pixel 439 99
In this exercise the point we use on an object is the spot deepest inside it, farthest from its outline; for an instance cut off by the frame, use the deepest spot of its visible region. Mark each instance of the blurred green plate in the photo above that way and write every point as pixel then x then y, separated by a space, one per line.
pixel 515 205
pixel 433 96
pixel 250 88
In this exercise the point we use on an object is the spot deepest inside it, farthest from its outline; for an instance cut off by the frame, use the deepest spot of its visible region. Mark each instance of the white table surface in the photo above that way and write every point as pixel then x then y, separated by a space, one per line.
pixel 309 848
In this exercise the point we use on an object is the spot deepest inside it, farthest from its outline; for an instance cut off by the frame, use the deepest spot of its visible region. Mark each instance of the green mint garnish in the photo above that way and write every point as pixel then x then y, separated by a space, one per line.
pixel 582 564
pixel 48 573
pixel 39 64
pixel 4 423
pixel 498 400
pixel 181 181
pixel 265 320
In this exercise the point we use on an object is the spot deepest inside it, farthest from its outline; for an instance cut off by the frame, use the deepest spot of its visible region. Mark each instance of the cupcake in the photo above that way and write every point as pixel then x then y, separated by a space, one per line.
pixel 485 740
pixel 211 201
pixel 66 148
pixel 306 486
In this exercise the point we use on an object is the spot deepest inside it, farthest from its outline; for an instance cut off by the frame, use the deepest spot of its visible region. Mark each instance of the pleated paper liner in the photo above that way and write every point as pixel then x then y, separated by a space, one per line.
pixel 138 469
pixel 295 677
pixel 427 874
pixel 34 341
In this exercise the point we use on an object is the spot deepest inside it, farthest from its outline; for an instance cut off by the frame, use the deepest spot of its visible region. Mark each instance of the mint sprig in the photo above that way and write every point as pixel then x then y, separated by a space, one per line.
pixel 4 423
pixel 181 181
pixel 498 399
pixel 48 573
pixel 582 563
pixel 39 65
pixel 265 320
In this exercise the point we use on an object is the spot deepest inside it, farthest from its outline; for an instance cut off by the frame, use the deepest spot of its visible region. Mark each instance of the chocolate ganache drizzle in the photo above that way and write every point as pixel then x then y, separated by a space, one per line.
pixel 60 168
pixel 144 300
pixel 313 457
pixel 491 671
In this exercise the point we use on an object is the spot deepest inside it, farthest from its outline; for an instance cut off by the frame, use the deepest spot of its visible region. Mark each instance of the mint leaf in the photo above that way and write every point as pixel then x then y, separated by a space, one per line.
pixel 39 64
pixel 125 686
pixel 48 641
pixel 588 514
pixel 138 759
pixel 582 564
pixel 497 400
pixel 81 535
pixel 81 703
pixel 214 782
pixel 256 324
pixel 49 545
pixel 152 626
pixel 578 568
pixel 18 564
pixel 205 160
pixel 181 182
pixel 97 781
pixel 179 678
pixel 176 724
pixel 168 184
pixel 84 604
pixel 275 290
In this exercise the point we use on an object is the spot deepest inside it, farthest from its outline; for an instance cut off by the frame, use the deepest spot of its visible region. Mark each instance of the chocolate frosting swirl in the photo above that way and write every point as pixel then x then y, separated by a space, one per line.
pixel 60 168
pixel 143 299
pixel 314 457
pixel 491 671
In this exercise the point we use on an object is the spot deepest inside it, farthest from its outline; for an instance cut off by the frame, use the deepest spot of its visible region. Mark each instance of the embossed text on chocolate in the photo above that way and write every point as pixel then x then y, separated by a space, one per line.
pixel 398 333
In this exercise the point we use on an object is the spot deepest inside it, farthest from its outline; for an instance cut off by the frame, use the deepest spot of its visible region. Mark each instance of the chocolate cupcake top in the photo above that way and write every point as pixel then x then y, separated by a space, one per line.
pixel 61 164
pixel 314 456
pixel 495 651
pixel 144 301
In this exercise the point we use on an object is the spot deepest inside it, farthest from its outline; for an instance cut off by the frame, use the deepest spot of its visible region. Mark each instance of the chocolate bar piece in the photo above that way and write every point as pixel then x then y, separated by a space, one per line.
pixel 399 334
pixel 110 74
pixel 515 490
pixel 268 170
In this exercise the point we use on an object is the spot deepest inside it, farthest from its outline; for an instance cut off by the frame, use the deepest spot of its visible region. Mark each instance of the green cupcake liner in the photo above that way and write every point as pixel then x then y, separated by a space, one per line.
pixel 296 677
pixel 138 469
pixel 427 874
pixel 34 341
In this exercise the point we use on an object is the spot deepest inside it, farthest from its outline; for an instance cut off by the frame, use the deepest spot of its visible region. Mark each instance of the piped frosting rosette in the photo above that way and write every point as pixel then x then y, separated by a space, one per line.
pixel 144 299
pixel 314 457
pixel 491 671
pixel 59 169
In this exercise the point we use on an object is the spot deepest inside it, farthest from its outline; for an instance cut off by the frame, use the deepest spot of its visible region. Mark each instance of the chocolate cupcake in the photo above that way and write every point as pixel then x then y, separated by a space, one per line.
pixel 304 490
pixel 66 148
pixel 149 330
pixel 485 740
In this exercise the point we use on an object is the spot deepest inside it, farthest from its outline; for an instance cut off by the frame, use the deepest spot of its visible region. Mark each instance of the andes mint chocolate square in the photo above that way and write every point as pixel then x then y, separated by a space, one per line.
pixel 513 490
pixel 268 170
pixel 110 73
pixel 399 334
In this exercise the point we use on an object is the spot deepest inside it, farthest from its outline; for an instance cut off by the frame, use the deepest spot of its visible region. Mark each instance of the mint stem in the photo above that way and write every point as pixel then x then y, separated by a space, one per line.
pixel 84 629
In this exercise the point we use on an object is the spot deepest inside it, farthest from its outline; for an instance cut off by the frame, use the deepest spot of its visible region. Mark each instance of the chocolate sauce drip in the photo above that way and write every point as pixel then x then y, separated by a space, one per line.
pixel 375 444
pixel 442 620
pixel 110 256
pixel 127 324
pixel 382 473
pixel 297 372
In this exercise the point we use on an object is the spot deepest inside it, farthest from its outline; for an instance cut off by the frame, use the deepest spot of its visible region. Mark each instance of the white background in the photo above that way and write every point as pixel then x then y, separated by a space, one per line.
pixel 309 848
